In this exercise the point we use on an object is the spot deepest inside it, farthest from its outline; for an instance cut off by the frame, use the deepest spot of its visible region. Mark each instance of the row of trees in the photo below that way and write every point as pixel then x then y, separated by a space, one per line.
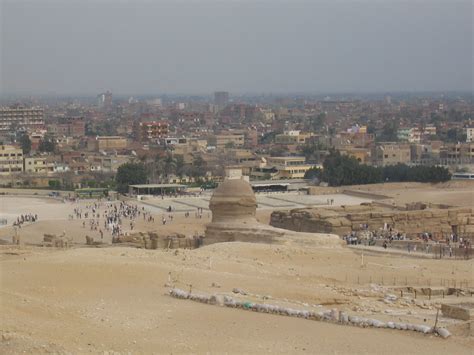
pixel 161 166
pixel 340 170
pixel 47 144
pixel 174 164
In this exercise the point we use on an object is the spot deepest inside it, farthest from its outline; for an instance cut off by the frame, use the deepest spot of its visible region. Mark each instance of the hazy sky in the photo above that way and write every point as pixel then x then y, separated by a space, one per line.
pixel 199 46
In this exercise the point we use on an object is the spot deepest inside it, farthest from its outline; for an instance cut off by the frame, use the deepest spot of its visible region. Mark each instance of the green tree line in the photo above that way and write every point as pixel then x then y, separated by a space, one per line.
pixel 340 170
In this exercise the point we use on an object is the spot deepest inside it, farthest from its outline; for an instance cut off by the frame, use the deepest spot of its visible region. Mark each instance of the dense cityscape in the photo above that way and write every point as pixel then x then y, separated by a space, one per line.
pixel 236 177
pixel 69 143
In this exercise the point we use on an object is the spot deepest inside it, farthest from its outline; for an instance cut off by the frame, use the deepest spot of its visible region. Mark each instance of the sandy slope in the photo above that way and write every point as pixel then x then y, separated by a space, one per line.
pixel 99 300
pixel 457 193
pixel 114 299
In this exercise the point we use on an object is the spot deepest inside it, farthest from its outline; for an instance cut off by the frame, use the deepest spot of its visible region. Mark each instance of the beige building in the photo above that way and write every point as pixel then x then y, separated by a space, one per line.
pixel 11 160
pixel 392 154
pixel 38 165
pixel 289 167
pixel 109 163
pixel 458 153
pixel 292 137
pixel 108 143
pixel 363 155
pixel 235 140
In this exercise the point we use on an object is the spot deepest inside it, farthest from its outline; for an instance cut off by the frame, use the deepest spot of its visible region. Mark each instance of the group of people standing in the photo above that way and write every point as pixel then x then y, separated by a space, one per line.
pixel 25 218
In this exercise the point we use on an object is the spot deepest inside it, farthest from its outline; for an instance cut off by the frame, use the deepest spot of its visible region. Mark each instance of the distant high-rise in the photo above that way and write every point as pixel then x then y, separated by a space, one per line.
pixel 221 99
pixel 104 100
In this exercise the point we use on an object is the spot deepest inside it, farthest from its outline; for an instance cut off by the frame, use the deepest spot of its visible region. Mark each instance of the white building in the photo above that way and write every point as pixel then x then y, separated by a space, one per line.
pixel 470 135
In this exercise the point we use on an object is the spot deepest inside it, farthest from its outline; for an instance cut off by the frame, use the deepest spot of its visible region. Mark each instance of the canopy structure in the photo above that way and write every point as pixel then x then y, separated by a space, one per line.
pixel 270 187
pixel 155 189
pixel 278 185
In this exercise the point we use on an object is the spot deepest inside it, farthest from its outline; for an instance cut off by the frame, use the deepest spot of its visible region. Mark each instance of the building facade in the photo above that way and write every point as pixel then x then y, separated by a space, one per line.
pixel 20 118
pixel 11 160
pixel 38 165
pixel 289 167
pixel 233 140
pixel 151 130
pixel 110 143
pixel 470 134
pixel 392 154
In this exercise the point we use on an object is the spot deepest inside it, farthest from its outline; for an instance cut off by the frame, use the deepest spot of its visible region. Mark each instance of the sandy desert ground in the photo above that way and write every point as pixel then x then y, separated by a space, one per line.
pixel 114 299
pixel 456 193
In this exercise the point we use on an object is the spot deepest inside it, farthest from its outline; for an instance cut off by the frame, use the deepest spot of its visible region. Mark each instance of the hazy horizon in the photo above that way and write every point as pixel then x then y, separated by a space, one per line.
pixel 198 47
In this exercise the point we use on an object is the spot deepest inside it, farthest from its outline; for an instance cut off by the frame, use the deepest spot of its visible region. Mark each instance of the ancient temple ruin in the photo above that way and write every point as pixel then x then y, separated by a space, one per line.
pixel 411 219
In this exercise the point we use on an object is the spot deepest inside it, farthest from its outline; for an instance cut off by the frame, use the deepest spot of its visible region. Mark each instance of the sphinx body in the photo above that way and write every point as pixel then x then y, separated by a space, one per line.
pixel 234 208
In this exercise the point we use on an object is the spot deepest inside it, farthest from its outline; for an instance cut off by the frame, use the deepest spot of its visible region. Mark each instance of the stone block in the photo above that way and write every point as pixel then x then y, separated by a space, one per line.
pixel 463 311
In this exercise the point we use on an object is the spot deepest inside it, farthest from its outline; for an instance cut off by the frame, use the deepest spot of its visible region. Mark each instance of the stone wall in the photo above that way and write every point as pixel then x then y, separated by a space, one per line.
pixel 153 240
pixel 342 220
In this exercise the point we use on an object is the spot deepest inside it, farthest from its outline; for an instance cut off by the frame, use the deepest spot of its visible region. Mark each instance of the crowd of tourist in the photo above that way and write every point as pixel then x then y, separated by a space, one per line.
pixel 445 247
pixel 25 218
pixel 111 217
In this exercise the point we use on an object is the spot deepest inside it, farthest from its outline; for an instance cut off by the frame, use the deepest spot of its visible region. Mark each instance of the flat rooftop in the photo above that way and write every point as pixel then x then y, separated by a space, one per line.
pixel 155 186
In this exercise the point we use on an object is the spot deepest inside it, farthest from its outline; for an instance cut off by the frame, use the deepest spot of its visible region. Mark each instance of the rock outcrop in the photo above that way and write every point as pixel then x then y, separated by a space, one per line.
pixel 411 219
pixel 153 240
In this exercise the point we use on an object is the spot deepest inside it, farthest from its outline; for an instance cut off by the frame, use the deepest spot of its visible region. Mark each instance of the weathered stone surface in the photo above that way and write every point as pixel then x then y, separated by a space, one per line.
pixel 437 219
pixel 233 199
pixel 464 311
pixel 233 207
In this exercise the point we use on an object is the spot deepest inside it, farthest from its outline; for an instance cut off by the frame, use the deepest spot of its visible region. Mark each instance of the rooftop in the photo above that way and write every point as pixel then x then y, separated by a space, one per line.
pixel 156 186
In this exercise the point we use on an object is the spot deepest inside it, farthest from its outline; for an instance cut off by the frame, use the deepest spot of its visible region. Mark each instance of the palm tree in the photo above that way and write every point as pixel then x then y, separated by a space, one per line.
pixel 170 164
pixel 179 165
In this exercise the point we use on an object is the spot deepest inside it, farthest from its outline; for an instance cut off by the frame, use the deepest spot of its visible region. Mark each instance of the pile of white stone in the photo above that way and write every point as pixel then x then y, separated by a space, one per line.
pixel 333 315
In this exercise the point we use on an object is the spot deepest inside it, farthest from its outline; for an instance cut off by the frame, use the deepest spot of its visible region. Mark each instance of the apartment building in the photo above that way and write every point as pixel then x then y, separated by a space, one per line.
pixel 289 167
pixel 151 130
pixel 11 160
pixel 457 153
pixel 363 155
pixel 292 137
pixel 228 139
pixel 107 143
pixel 38 165
pixel 392 154
pixel 16 118
pixel 470 134
pixel 412 135
pixel 73 127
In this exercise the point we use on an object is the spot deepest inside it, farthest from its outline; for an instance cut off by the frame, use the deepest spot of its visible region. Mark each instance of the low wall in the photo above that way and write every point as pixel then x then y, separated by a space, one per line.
pixel 320 190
